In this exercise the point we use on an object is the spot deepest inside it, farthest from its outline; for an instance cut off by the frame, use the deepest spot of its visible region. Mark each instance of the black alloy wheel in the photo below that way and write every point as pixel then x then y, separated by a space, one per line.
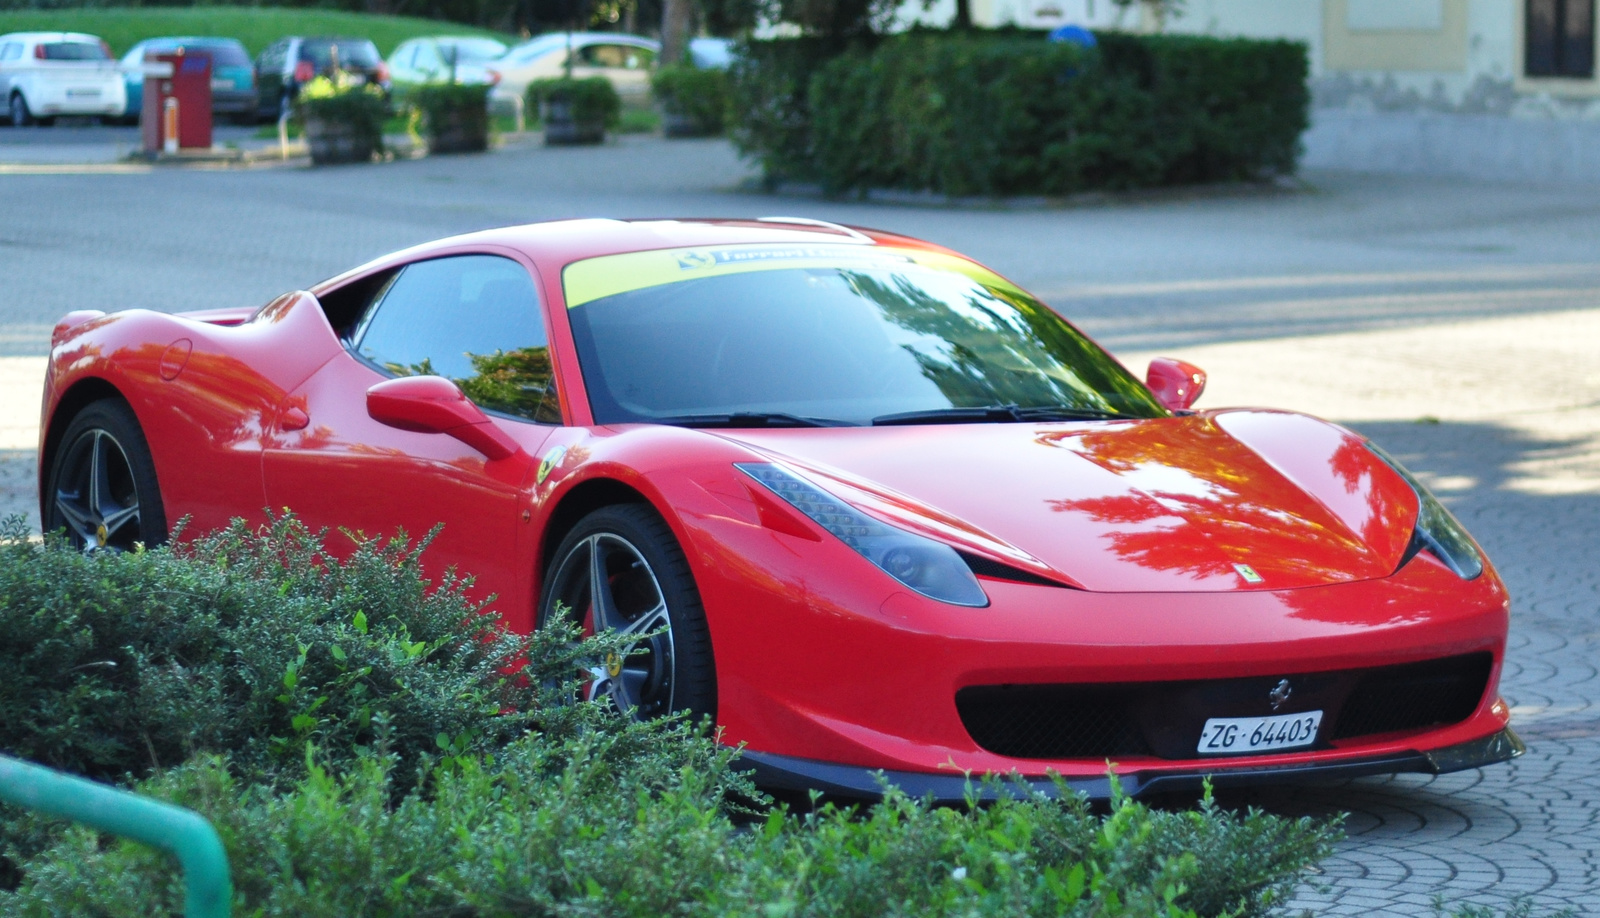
pixel 102 489
pixel 621 570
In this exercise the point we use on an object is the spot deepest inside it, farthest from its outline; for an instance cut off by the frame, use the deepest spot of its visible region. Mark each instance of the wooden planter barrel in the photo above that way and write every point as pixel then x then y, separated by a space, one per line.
pixel 334 142
pixel 458 130
pixel 560 127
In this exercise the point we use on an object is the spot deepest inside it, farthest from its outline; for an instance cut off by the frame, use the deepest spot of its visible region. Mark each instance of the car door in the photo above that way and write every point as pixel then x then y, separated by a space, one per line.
pixel 132 65
pixel 627 67
pixel 472 318
pixel 10 60
pixel 269 77
pixel 429 63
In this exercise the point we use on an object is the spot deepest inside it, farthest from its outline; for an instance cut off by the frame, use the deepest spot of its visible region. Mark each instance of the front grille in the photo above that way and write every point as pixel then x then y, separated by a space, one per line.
pixel 1164 719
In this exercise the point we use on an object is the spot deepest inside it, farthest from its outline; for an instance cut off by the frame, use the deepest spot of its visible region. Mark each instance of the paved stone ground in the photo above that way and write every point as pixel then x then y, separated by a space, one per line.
pixel 1459 325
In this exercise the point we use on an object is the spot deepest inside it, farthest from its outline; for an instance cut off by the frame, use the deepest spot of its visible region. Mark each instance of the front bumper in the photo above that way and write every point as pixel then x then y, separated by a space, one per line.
pixel 785 773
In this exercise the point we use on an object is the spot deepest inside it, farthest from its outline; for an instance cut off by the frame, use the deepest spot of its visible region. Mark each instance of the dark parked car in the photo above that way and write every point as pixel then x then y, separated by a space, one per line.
pixel 289 63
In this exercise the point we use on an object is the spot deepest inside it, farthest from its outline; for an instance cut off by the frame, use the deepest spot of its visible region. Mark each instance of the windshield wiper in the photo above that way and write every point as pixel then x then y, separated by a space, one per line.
pixel 748 419
pixel 990 413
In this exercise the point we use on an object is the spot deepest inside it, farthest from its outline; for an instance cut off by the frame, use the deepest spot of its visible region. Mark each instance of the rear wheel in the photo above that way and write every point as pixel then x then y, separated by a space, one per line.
pixel 102 489
pixel 620 570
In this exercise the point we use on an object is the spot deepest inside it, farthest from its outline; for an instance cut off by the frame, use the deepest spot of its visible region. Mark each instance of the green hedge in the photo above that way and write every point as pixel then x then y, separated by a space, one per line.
pixel 367 743
pixel 695 97
pixel 581 828
pixel 252 645
pixel 593 99
pixel 1004 114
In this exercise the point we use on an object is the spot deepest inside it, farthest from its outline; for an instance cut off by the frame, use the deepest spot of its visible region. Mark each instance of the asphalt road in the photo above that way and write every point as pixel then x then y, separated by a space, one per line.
pixel 1456 323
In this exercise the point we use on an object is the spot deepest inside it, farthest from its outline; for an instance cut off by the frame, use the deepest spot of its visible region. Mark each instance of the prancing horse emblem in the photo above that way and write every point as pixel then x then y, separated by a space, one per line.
pixel 1280 693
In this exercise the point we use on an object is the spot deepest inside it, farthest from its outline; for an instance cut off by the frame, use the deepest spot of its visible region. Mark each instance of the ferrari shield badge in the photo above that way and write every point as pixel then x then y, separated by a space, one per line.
pixel 1246 571
pixel 549 463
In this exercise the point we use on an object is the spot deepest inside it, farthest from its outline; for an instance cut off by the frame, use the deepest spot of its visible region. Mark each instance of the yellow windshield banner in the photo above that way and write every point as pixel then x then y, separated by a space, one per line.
pixel 596 278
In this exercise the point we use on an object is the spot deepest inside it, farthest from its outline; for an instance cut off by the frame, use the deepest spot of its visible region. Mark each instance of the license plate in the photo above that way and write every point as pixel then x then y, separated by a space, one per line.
pixel 1235 735
pixel 221 84
pixel 76 93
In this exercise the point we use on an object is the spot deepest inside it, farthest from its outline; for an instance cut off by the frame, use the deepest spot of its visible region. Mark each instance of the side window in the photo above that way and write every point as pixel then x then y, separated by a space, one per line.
pixel 10 51
pixel 474 319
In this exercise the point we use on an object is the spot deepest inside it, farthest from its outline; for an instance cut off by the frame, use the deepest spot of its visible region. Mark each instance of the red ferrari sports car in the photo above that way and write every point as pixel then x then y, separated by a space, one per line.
pixel 871 506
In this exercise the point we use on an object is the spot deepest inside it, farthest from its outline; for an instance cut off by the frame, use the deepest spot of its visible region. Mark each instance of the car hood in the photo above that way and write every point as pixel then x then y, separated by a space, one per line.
pixel 1235 500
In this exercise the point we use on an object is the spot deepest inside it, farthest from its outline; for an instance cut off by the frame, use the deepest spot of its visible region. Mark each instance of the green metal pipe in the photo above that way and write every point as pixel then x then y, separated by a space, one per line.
pixel 208 890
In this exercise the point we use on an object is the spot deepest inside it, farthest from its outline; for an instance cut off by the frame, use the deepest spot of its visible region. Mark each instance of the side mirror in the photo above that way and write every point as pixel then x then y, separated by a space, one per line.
pixel 433 404
pixel 1176 384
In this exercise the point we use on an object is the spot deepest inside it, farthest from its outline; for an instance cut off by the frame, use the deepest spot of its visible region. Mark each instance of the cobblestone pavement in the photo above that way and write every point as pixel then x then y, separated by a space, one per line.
pixel 1457 325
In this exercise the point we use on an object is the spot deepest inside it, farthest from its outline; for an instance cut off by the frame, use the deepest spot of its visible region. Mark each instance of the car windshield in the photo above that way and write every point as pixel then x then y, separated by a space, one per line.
pixel 73 51
pixel 835 334
pixel 354 53
pixel 474 50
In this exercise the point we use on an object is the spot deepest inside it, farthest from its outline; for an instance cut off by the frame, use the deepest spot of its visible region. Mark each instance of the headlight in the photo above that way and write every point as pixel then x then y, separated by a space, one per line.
pixel 1437 530
pixel 933 569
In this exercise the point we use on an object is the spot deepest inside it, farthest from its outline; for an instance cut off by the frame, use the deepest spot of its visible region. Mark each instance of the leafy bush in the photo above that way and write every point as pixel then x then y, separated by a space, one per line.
pixel 578 827
pixel 253 644
pixel 1003 114
pixel 590 100
pixel 696 96
pixel 454 116
pixel 366 745
pixel 769 104
pixel 337 100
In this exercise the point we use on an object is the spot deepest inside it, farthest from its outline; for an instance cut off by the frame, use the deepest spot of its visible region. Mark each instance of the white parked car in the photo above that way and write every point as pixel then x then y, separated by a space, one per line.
pixel 625 60
pixel 421 61
pixel 46 74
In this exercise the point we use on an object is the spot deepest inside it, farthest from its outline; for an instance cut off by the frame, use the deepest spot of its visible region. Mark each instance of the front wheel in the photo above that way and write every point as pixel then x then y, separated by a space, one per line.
pixel 21 116
pixel 102 488
pixel 620 570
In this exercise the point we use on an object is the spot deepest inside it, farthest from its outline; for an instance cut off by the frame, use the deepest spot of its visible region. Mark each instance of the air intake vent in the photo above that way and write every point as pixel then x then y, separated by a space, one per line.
pixel 1415 696
pixel 1164 719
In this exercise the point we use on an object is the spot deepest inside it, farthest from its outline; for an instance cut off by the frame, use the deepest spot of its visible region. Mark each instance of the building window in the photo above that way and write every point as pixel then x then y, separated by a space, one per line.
pixel 1560 38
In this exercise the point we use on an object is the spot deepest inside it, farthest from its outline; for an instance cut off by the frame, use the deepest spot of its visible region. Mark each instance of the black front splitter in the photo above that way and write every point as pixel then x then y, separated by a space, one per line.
pixel 786 773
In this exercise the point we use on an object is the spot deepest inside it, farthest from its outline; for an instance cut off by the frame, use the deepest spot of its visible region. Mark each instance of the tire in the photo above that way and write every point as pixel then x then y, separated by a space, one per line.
pixel 20 115
pixel 644 569
pixel 104 444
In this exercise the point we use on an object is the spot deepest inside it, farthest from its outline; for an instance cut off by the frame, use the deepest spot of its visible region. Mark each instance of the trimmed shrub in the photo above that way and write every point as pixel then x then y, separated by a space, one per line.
pixel 252 645
pixel 995 114
pixel 693 99
pixel 592 100
pixel 343 121
pixel 367 743
pixel 455 117
pixel 580 828
pixel 769 103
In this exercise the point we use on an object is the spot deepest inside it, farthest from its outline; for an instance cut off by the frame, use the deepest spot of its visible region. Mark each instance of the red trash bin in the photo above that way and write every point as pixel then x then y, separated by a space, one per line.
pixel 176 113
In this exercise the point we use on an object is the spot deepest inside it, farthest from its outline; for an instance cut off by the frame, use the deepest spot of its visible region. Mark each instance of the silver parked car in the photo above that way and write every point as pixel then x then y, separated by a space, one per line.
pixel 625 60
pixel 46 74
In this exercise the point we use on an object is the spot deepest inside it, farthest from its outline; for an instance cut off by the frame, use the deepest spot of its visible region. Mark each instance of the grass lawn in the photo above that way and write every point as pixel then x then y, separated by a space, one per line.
pixel 257 27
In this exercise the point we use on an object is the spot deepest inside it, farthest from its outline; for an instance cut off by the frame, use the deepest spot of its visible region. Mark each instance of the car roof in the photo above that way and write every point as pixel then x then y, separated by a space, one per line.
pixel 555 244
pixel 553 40
pixel 191 40
pixel 51 36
